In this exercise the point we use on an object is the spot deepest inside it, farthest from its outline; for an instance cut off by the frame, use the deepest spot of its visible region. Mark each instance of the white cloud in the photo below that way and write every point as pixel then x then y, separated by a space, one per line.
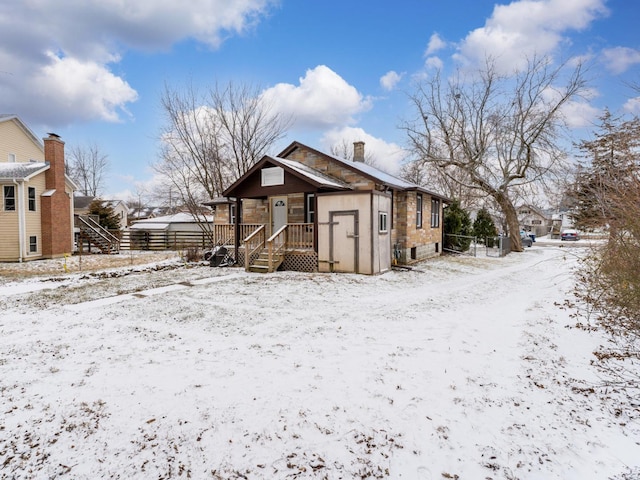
pixel 632 106
pixel 386 156
pixel 579 114
pixel 434 62
pixel 78 80
pixel 525 28
pixel 81 90
pixel 390 79
pixel 619 59
pixel 322 99
pixel 436 43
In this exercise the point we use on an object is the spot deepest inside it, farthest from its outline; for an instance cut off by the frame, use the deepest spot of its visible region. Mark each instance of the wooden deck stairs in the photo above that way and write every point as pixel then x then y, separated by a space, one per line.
pixel 261 264
pixel 95 234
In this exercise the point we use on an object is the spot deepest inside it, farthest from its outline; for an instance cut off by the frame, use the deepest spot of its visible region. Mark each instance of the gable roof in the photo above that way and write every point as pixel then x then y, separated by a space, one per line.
pixel 82 201
pixel 299 170
pixel 22 170
pixel 368 171
pixel 10 117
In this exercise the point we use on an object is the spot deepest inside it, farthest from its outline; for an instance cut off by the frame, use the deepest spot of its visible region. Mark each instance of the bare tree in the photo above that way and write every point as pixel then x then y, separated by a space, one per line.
pixel 212 138
pixel 88 167
pixel 494 133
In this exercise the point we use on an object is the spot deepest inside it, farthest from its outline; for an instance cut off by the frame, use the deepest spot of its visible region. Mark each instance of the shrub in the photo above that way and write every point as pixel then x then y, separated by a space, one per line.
pixel 457 228
pixel 483 226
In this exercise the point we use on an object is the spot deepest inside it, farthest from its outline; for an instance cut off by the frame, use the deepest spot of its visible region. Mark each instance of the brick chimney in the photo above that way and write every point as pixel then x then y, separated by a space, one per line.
pixel 358 151
pixel 56 212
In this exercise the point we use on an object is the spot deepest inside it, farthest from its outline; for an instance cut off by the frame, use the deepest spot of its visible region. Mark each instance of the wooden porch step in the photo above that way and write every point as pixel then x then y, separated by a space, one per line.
pixel 261 264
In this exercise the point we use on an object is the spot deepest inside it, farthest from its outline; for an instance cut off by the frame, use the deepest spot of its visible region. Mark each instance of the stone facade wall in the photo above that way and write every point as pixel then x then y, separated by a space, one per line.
pixel 416 243
pixel 255 211
pixel 295 207
pixel 333 168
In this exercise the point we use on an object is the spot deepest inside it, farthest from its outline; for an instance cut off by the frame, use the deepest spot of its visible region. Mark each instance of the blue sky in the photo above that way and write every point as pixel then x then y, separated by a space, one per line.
pixel 93 72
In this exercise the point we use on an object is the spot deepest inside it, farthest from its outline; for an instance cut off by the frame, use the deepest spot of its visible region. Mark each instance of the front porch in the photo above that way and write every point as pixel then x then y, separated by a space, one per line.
pixel 291 247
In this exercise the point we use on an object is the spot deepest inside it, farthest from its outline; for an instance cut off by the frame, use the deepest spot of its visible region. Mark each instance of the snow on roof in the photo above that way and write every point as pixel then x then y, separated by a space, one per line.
pixel 175 218
pixel 21 170
pixel 144 225
pixel 311 173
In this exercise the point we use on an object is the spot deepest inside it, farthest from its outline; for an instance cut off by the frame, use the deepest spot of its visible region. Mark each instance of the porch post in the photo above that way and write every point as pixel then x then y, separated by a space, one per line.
pixel 237 228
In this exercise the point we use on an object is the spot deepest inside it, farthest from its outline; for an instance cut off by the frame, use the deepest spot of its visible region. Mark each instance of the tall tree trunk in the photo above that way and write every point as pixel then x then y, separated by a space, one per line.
pixel 513 224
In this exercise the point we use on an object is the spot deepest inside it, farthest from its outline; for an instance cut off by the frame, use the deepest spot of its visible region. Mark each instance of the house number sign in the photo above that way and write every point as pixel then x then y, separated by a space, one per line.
pixel 272 176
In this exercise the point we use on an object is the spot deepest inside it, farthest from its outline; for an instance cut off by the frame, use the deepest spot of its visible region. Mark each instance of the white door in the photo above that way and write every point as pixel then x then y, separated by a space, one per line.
pixel 278 213
pixel 344 241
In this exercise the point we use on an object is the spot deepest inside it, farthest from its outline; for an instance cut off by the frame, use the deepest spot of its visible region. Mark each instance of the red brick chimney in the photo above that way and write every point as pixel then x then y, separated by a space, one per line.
pixel 57 228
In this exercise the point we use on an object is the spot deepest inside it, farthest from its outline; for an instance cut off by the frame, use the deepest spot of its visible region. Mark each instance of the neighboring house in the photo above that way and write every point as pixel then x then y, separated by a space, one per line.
pixel 141 213
pixel 120 210
pixel 311 211
pixel 170 231
pixel 561 221
pixel 81 206
pixel 36 213
pixel 534 220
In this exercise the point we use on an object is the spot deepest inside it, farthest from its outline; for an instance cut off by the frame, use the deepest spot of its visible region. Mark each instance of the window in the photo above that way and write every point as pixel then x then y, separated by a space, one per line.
pixel 12 157
pixel 310 208
pixel 32 199
pixel 33 244
pixel 9 198
pixel 435 213
pixel 419 210
pixel 382 222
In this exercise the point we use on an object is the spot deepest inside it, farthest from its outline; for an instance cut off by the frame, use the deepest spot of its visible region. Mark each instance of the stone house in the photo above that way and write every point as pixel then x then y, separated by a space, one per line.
pixel 311 211
pixel 36 213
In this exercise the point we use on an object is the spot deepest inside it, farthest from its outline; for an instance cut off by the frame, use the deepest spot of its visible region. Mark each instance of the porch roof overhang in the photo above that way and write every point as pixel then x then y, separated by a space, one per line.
pixel 23 171
pixel 297 178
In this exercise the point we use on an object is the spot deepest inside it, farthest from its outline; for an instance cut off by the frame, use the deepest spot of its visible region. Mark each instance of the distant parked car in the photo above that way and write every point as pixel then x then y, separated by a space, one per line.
pixel 526 240
pixel 569 234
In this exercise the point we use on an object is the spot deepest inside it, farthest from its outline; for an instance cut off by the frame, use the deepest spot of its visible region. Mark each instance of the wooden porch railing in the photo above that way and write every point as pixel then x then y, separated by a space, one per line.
pixel 299 236
pixel 226 233
pixel 253 243
pixel 275 245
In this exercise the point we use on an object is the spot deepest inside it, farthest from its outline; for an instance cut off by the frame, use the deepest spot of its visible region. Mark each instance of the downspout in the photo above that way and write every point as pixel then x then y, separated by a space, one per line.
pixel 21 218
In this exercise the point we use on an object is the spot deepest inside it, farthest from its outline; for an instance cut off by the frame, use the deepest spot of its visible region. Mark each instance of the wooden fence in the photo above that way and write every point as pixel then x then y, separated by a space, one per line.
pixel 177 240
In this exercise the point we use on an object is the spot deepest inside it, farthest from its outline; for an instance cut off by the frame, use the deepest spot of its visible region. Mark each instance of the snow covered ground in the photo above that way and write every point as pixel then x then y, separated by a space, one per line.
pixel 466 369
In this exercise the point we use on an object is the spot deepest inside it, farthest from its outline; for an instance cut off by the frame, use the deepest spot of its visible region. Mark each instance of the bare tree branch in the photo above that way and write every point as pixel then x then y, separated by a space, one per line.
pixel 494 133
pixel 88 168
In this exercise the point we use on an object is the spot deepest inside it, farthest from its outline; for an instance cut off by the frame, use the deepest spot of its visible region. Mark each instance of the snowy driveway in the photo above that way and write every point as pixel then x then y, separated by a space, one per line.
pixel 468 370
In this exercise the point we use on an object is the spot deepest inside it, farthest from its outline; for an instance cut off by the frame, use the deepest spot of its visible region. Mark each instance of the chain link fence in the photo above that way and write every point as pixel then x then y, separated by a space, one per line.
pixel 477 246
